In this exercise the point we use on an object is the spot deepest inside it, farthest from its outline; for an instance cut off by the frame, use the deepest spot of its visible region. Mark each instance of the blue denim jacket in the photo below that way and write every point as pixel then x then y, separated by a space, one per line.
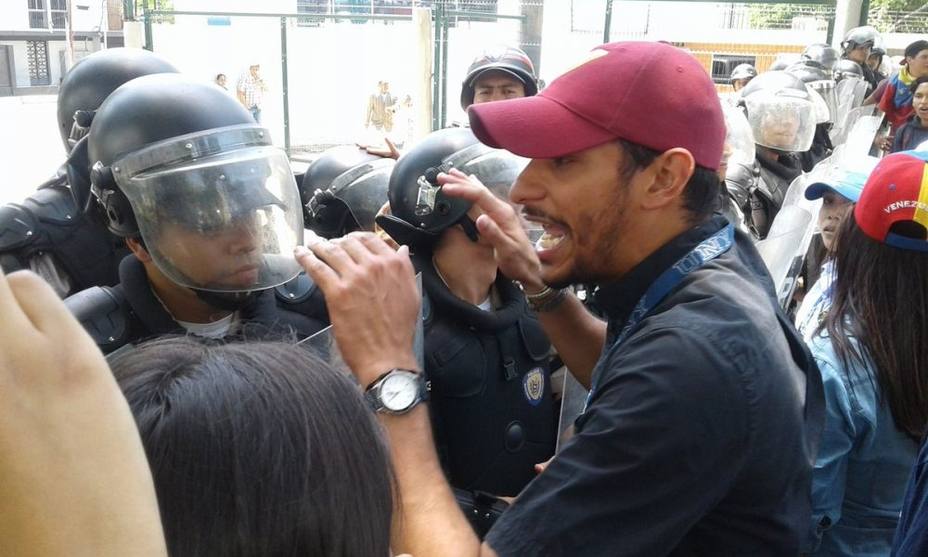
pixel 863 462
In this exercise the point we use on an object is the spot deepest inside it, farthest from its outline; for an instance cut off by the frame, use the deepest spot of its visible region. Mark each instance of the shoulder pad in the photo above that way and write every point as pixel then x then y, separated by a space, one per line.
pixel 742 175
pixel 54 205
pixel 297 290
pixel 104 314
pixel 18 227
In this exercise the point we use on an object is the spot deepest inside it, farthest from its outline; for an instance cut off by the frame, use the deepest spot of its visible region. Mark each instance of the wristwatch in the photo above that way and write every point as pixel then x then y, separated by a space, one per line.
pixel 397 391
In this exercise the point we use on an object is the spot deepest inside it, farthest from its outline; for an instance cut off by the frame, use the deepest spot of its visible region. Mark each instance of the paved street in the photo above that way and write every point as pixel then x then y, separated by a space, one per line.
pixel 30 148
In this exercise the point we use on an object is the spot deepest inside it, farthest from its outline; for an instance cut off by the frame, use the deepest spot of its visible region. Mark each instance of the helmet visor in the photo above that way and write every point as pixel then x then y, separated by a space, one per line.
pixel 227 222
pixel 780 121
pixel 826 88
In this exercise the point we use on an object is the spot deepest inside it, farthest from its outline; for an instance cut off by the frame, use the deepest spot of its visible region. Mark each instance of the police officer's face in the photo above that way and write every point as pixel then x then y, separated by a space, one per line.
pixel 835 209
pixel 859 54
pixel 738 84
pixel 497 86
pixel 585 205
pixel 779 131
pixel 229 257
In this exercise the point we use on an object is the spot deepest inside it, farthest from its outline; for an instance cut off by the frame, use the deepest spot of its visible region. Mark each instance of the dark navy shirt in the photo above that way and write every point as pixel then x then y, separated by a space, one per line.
pixel 912 533
pixel 702 433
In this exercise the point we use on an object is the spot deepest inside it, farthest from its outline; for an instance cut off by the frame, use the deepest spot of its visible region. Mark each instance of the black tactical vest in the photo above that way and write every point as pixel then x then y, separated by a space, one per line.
pixel 491 406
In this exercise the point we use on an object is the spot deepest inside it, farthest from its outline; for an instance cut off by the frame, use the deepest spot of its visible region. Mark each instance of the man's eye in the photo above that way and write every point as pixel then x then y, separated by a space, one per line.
pixel 561 161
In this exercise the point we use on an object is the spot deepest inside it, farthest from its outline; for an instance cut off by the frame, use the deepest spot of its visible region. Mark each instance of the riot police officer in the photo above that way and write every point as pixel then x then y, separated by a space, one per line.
pixel 49 232
pixel 344 188
pixel 857 45
pixel 210 211
pixel 822 54
pixel 485 353
pixel 499 73
pixel 741 76
pixel 818 80
pixel 780 110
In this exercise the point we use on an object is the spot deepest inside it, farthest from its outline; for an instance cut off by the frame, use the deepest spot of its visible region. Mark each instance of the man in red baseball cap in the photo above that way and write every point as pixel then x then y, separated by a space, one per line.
pixel 701 425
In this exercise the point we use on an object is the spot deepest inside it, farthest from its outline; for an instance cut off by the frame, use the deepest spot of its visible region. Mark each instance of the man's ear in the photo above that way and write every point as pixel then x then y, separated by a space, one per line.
pixel 137 248
pixel 671 171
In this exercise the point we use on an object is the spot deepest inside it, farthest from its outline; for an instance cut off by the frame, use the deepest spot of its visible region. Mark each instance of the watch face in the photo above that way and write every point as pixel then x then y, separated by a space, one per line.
pixel 398 391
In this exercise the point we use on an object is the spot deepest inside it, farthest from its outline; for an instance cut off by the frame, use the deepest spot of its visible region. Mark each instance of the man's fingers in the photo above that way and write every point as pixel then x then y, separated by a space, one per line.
pixel 13 318
pixel 39 303
pixel 374 243
pixel 490 230
pixel 322 274
pixel 332 255
pixel 358 252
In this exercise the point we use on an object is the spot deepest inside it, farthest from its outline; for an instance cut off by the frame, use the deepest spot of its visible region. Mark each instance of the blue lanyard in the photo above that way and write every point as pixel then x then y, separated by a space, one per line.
pixel 709 249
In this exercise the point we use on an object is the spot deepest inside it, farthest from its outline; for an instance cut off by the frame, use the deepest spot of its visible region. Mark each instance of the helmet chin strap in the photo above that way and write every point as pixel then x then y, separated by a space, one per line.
pixel 470 228
pixel 226 301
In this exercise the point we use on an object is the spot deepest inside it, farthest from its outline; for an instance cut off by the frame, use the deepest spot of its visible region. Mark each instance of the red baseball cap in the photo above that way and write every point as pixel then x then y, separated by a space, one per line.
pixel 897 191
pixel 652 94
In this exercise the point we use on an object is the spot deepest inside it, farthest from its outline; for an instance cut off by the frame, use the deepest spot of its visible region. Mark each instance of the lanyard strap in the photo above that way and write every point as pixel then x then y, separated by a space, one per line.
pixel 706 251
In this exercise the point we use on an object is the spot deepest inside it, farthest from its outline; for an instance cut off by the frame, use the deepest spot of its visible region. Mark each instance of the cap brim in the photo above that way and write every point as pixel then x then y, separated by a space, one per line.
pixel 534 127
pixel 818 189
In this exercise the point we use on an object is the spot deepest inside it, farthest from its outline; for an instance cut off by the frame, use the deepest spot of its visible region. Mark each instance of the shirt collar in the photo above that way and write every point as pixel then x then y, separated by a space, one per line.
pixel 618 298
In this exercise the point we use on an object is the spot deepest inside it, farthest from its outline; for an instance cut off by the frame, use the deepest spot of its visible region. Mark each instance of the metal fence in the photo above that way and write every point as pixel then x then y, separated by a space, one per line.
pixel 895 21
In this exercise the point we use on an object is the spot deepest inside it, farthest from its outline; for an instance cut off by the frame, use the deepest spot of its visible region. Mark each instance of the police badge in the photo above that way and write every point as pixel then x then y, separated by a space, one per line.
pixel 533 385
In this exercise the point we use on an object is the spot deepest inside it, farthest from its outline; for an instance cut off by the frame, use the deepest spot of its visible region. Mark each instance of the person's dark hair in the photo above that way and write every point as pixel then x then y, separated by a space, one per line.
pixel 918 81
pixel 701 195
pixel 218 75
pixel 913 49
pixel 878 311
pixel 258 449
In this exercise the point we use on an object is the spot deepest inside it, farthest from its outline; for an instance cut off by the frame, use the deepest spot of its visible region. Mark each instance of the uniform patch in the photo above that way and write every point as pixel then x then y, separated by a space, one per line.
pixel 533 385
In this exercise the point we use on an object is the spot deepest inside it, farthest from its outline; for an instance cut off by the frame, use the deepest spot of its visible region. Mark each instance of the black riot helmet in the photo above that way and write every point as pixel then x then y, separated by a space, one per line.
pixel 824 54
pixel 783 61
pixel 92 79
pixel 182 165
pixel 863 36
pixel 845 69
pixel 743 71
pixel 343 190
pixel 420 210
pixel 507 59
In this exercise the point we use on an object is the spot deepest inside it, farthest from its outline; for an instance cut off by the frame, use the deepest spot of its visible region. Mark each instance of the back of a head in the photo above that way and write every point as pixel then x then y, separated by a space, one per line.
pixel 92 79
pixel 343 190
pixel 258 449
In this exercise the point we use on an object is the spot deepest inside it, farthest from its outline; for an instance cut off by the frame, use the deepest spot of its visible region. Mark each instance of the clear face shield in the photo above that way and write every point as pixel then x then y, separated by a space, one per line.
pixel 784 120
pixel 826 89
pixel 219 210
pixel 739 138
pixel 820 108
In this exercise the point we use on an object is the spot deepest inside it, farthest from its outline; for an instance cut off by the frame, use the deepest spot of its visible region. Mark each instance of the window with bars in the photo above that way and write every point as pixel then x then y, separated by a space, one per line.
pixel 724 64
pixel 37 14
pixel 37 60
pixel 59 12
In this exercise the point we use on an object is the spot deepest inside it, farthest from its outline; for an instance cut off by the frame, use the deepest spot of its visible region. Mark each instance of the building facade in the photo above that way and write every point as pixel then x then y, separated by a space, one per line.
pixel 34 52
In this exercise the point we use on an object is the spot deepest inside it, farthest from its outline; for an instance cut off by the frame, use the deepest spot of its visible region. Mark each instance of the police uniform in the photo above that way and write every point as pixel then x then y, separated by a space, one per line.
pixel 130 312
pixel 759 189
pixel 490 374
pixel 50 235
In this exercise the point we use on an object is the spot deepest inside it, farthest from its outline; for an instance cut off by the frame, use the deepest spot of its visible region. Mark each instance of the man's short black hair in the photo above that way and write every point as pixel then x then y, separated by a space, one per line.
pixel 701 195
pixel 918 81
